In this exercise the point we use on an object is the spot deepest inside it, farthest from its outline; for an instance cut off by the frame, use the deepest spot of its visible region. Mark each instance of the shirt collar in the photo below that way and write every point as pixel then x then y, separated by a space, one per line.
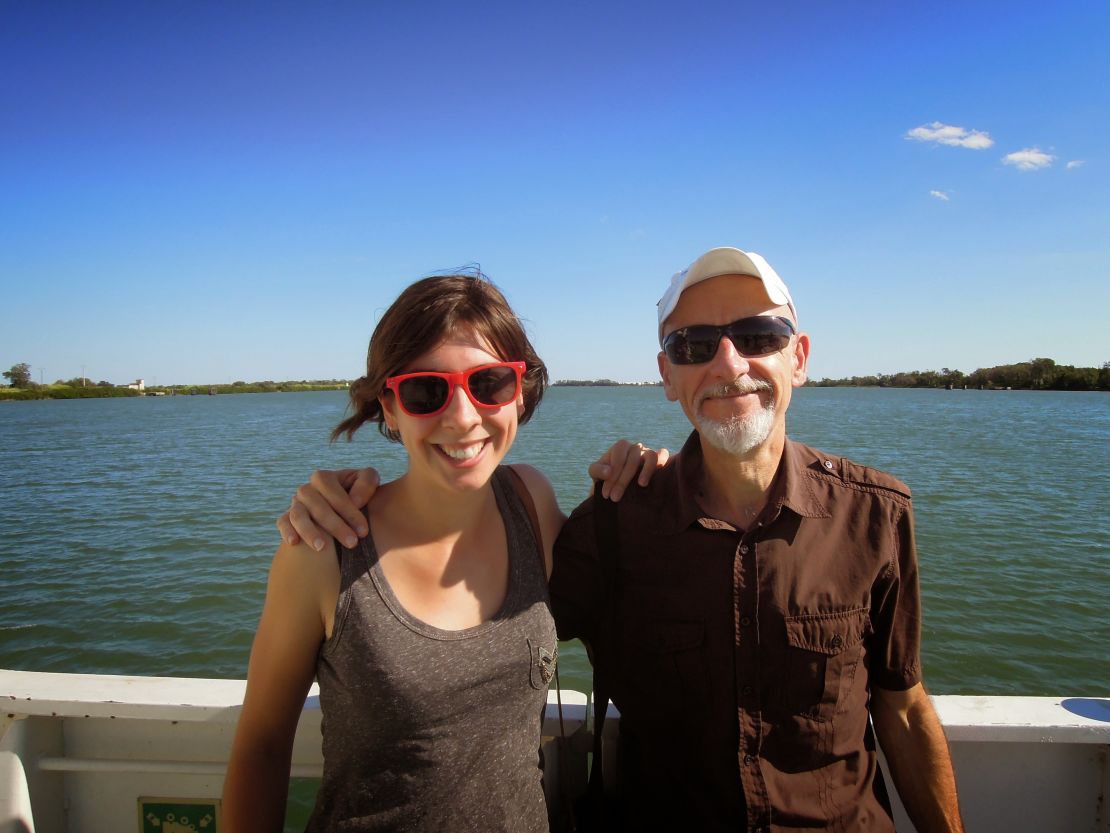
pixel 791 489
pixel 688 480
pixel 796 485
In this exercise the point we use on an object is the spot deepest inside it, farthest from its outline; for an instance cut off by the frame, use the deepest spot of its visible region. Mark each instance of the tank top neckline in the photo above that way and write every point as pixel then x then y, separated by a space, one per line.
pixel 417 625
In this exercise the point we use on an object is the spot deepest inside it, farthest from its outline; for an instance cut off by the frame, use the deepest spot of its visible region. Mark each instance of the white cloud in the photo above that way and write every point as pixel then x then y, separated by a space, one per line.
pixel 1028 159
pixel 1076 163
pixel 947 134
pixel 940 195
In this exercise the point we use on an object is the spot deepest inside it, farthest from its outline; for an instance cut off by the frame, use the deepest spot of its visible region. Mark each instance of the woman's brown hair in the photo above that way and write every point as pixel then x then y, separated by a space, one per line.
pixel 425 314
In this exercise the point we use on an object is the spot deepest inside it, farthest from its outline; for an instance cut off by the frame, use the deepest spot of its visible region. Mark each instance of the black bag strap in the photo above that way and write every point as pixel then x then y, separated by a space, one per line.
pixel 608 552
pixel 525 496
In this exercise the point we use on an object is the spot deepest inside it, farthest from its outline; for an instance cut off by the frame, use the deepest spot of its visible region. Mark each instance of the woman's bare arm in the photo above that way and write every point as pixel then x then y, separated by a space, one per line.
pixel 282 664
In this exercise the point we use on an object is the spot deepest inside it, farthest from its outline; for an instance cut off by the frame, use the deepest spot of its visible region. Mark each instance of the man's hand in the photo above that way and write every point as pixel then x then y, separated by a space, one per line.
pixel 330 504
pixel 617 466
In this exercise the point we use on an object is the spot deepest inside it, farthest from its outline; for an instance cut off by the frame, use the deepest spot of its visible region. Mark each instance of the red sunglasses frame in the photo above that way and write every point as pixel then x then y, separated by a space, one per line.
pixel 459 379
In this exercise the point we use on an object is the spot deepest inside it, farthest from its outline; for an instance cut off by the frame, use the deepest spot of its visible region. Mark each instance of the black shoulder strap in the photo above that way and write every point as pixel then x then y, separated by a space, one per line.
pixel 525 496
pixel 608 551
pixel 608 539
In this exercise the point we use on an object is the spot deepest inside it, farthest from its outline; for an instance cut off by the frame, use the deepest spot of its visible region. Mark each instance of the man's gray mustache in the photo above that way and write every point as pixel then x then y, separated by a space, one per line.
pixel 736 389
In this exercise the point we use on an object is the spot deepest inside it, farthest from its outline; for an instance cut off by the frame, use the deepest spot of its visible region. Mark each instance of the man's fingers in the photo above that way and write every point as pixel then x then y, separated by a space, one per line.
pixel 288 533
pixel 346 477
pixel 302 524
pixel 326 498
pixel 362 488
pixel 313 516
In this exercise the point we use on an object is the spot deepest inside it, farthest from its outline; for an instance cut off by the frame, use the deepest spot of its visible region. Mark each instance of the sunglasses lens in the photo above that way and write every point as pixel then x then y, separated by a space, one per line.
pixel 752 337
pixel 692 345
pixel 493 385
pixel 754 342
pixel 423 394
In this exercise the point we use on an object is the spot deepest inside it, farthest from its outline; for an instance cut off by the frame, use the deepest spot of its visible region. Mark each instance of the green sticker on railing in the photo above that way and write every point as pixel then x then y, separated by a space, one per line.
pixel 178 815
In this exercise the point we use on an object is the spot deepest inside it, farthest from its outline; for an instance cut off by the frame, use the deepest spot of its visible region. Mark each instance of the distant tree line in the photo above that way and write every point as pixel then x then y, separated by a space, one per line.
pixel 1035 374
pixel 22 388
pixel 35 391
pixel 251 387
pixel 600 383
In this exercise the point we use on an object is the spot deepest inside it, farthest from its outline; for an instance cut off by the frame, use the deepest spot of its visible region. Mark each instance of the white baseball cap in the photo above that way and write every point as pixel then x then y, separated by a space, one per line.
pixel 724 260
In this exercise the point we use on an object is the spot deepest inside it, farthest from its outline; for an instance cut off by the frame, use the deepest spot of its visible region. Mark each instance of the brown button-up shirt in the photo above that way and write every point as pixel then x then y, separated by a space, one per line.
pixel 742 660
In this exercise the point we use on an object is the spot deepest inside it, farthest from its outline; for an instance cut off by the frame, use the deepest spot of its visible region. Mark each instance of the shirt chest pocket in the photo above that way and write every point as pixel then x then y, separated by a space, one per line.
pixel 822 657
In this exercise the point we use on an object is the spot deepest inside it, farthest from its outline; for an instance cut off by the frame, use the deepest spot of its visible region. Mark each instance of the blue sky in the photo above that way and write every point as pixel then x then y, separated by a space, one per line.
pixel 195 192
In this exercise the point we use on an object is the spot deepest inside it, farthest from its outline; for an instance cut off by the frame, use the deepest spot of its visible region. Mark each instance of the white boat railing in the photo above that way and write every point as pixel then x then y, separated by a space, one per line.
pixel 95 753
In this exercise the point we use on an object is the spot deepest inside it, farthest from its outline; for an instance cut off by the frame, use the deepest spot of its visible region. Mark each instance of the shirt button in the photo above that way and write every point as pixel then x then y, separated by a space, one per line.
pixel 829 464
pixel 747 760
pixel 746 621
pixel 743 549
pixel 746 691
pixel 836 643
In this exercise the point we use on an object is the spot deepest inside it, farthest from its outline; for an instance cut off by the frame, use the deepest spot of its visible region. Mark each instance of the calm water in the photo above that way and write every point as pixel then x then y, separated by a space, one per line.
pixel 137 533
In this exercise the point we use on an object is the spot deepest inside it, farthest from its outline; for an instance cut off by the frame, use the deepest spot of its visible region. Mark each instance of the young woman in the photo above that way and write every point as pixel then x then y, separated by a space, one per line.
pixel 431 637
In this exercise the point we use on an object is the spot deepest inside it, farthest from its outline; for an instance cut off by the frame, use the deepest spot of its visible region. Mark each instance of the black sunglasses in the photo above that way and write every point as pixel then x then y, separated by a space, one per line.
pixel 760 335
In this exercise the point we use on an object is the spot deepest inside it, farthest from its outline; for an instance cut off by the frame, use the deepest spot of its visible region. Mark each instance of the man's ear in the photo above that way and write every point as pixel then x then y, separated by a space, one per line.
pixel 665 375
pixel 800 356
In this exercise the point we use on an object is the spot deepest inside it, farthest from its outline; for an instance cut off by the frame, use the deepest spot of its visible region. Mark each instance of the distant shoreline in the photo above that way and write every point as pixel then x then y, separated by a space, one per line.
pixel 19 395
pixel 602 383
pixel 1035 374
pixel 39 393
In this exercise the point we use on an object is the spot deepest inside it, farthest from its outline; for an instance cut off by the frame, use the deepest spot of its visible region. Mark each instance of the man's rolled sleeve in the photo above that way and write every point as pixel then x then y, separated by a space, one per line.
pixel 896 612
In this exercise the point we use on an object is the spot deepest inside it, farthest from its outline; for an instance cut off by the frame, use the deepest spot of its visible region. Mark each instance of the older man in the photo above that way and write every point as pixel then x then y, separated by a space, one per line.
pixel 762 611
pixel 754 610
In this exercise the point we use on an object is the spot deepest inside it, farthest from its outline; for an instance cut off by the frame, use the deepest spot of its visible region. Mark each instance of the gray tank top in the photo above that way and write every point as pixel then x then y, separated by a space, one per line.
pixel 433 730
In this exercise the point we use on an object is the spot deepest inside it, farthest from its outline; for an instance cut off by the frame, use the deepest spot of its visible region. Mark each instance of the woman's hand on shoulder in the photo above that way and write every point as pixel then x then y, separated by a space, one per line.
pixel 619 465
pixel 551 517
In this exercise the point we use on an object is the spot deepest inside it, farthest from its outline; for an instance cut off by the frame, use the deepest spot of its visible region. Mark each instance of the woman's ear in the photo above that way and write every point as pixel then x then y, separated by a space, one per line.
pixel 389 413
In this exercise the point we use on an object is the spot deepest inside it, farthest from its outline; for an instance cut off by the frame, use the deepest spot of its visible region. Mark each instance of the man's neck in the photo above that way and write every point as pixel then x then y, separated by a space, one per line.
pixel 735 488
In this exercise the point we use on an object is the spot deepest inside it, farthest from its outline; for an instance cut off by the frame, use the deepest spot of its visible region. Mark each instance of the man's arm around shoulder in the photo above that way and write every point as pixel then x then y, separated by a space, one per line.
pixel 916 750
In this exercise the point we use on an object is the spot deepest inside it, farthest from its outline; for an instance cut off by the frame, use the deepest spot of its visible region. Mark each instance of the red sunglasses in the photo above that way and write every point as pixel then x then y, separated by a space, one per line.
pixel 488 386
